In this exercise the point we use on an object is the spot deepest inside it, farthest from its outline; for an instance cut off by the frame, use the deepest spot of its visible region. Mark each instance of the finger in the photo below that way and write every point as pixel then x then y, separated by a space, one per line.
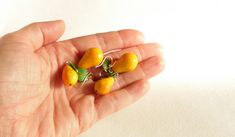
pixel 145 70
pixel 87 88
pixel 84 110
pixel 117 100
pixel 143 51
pixel 107 41
pixel 36 34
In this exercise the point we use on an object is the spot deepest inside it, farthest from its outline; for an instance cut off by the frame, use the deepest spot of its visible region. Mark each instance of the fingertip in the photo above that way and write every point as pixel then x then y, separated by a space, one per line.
pixel 159 58
pixel 153 66
pixel 52 30
pixel 60 21
pixel 135 37
pixel 61 24
pixel 147 84
pixel 138 89
pixel 144 84
pixel 57 26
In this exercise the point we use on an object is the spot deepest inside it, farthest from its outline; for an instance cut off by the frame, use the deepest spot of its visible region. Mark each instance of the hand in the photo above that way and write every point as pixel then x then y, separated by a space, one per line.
pixel 33 99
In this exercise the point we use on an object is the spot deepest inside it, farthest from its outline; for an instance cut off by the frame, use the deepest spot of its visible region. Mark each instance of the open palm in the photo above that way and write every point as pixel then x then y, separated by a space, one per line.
pixel 33 99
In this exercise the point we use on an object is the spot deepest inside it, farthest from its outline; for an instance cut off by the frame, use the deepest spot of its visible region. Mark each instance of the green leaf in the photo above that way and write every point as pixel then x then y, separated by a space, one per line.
pixel 73 66
pixel 106 65
pixel 82 74
pixel 108 69
pixel 82 70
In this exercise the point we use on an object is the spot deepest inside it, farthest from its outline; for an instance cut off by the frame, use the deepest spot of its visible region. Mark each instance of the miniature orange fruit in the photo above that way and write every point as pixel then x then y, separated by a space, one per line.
pixel 69 76
pixel 127 62
pixel 91 58
pixel 104 85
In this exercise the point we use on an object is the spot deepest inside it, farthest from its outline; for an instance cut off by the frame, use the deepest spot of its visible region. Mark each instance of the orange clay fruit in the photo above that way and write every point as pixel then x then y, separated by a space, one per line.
pixel 91 58
pixel 69 76
pixel 127 62
pixel 104 85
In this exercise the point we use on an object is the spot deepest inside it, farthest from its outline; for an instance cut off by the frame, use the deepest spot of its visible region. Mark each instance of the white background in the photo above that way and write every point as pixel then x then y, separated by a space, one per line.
pixel 194 96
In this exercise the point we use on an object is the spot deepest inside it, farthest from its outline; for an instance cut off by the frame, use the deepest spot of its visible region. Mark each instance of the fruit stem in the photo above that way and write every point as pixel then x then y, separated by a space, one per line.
pixel 105 58
pixel 72 65
pixel 86 78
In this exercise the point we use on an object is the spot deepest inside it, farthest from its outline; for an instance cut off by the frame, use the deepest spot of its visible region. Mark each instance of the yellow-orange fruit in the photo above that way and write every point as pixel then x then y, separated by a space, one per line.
pixel 127 62
pixel 69 76
pixel 91 58
pixel 104 85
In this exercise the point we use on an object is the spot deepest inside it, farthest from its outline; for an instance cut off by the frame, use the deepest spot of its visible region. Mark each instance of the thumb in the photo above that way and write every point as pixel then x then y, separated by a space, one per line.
pixel 37 34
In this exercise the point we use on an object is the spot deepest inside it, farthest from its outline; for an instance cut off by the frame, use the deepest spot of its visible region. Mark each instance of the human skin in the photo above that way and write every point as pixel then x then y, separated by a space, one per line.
pixel 33 99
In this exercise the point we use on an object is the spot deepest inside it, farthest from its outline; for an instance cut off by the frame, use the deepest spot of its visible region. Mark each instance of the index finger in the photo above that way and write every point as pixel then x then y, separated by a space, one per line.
pixel 108 41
